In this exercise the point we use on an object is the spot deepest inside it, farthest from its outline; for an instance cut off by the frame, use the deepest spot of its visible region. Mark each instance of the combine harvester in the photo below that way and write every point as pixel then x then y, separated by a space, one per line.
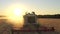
pixel 31 24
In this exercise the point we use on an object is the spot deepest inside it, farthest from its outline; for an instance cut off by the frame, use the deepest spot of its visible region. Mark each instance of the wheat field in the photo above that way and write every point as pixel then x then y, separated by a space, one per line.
pixel 50 22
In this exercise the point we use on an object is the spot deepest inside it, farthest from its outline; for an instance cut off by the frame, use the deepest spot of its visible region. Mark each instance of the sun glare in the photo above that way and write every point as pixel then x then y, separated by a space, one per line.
pixel 14 13
pixel 18 12
pixel 16 17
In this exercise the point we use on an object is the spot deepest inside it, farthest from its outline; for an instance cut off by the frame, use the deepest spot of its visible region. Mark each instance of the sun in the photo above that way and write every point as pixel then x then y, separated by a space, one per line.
pixel 15 14
pixel 16 17
pixel 18 12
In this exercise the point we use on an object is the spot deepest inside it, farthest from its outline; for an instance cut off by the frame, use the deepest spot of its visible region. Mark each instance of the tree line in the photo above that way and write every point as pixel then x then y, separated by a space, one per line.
pixel 49 16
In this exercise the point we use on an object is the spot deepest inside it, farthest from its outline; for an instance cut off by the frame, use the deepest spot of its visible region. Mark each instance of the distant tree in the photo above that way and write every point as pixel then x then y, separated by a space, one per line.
pixel 49 16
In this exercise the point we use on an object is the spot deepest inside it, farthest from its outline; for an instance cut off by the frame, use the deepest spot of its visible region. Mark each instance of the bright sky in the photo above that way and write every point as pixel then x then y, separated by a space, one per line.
pixel 39 6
